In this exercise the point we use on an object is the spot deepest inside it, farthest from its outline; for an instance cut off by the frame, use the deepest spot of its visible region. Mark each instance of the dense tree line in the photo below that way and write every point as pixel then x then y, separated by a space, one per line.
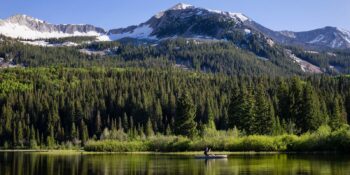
pixel 216 57
pixel 47 106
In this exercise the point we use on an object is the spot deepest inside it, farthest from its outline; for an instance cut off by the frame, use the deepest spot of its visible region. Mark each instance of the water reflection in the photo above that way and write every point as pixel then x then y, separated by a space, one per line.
pixel 39 163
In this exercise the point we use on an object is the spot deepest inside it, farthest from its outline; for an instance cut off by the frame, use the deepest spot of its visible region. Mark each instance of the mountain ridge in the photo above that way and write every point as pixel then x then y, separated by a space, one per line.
pixel 181 20
pixel 27 27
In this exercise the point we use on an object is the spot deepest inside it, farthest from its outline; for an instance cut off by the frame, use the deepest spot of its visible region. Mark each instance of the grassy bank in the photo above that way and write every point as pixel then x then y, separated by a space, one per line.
pixel 322 140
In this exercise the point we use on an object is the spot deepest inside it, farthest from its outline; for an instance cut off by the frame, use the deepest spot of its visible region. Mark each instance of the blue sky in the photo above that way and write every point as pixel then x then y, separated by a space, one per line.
pixel 297 15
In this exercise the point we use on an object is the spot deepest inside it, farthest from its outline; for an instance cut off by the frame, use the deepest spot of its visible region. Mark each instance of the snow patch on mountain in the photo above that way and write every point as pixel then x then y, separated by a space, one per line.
pixel 141 32
pixel 26 27
pixel 103 38
pixel 238 16
pixel 345 35
pixel 159 15
pixel 288 34
pixel 319 38
pixel 247 31
pixel 181 6
pixel 19 31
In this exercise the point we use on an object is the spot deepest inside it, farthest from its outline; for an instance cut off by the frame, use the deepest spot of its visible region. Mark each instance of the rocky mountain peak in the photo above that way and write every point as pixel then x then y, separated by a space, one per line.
pixel 27 27
pixel 181 6
pixel 20 18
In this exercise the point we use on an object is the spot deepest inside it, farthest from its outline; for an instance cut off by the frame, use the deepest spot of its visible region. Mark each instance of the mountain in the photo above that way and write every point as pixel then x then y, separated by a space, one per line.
pixel 324 38
pixel 26 27
pixel 183 20
pixel 188 21
pixel 328 37
pixel 236 43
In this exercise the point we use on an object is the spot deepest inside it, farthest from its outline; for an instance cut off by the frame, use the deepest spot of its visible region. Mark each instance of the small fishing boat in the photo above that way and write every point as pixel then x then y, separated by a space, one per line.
pixel 211 157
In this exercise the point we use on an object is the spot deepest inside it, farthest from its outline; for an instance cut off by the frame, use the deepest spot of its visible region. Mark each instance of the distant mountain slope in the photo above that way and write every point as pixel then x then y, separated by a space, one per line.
pixel 327 37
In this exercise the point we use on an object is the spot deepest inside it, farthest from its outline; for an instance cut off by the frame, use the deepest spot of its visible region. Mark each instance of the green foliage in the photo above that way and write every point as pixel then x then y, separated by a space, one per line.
pixel 216 57
pixel 264 113
pixel 332 61
pixel 242 112
pixel 310 111
pixel 185 115
pixel 77 40
pixel 50 142
pixel 68 106
pixel 149 129
pixel 321 140
pixel 115 146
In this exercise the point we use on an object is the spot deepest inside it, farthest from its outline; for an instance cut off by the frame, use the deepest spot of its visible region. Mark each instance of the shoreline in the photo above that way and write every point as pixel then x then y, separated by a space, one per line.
pixel 57 151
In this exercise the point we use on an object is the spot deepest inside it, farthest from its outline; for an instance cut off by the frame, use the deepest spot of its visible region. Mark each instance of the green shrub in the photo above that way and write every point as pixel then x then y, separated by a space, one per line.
pixel 321 140
pixel 254 143
pixel 115 146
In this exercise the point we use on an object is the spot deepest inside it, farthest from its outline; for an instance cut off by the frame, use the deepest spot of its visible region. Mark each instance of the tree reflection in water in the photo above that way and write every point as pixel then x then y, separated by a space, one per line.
pixel 47 163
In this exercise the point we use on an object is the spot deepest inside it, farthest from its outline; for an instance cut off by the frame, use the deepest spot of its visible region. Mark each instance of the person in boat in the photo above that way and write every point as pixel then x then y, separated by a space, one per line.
pixel 206 151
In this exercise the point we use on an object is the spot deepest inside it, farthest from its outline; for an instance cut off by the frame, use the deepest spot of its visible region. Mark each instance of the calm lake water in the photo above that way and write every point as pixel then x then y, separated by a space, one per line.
pixel 48 163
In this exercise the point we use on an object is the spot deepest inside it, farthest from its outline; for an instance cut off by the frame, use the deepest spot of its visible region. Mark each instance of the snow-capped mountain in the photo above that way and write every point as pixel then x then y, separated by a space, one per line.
pixel 186 21
pixel 323 38
pixel 182 20
pixel 26 27
pixel 330 37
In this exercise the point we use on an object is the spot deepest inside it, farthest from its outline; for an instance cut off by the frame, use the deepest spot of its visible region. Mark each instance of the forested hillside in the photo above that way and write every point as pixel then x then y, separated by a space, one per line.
pixel 47 106
pixel 216 57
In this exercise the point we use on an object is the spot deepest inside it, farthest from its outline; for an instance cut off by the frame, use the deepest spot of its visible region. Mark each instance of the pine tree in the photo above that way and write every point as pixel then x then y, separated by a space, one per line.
pixel 84 134
pixel 7 114
pixel 168 130
pixel 209 117
pixel 149 128
pixel 120 125
pixel 336 117
pixel 185 115
pixel 50 142
pixel 242 112
pixel 264 113
pixel 310 117
pixel 158 113
pixel 98 124
pixel 20 137
pixel 277 127
pixel 1 129
pixel 125 122
pixel 347 107
pixel 33 142
pixel 295 102
pixel 234 111
pixel 73 132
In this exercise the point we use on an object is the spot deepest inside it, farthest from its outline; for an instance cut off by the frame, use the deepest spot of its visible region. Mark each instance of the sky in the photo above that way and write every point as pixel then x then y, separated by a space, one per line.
pixel 295 15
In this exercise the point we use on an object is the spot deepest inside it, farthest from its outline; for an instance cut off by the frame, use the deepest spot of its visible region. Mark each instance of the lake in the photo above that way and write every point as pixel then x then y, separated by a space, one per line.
pixel 35 163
